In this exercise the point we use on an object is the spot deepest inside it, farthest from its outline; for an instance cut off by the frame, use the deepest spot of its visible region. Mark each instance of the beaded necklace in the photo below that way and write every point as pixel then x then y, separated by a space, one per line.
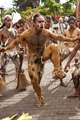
pixel 71 31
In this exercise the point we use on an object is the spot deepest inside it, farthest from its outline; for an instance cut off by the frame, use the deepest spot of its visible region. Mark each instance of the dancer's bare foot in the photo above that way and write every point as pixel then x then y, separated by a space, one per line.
pixel 40 102
pixel 76 94
pixel 58 74
pixel 15 80
pixel 66 69
pixel 77 109
pixel 62 83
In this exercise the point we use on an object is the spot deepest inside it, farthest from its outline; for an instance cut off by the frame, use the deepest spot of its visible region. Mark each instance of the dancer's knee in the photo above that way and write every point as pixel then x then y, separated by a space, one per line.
pixel 73 75
pixel 34 80
pixel 54 47
pixel 47 53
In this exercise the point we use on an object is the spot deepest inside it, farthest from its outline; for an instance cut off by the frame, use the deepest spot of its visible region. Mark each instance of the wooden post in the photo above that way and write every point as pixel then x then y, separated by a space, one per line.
pixel 78 10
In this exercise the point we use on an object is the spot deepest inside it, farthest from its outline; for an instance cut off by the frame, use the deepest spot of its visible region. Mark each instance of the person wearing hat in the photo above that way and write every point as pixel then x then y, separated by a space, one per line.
pixel 16 18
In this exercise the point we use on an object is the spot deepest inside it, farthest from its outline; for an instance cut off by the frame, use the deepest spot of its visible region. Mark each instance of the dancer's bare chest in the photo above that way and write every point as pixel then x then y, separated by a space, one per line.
pixel 37 40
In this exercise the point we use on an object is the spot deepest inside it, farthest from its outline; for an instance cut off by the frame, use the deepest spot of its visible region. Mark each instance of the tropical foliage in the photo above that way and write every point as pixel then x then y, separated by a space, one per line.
pixel 22 4
pixel 25 9
pixel 68 7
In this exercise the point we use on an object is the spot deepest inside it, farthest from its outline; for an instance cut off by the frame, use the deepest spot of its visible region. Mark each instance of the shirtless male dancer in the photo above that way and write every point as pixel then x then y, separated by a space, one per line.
pixel 71 32
pixel 36 38
pixel 75 80
pixel 7 34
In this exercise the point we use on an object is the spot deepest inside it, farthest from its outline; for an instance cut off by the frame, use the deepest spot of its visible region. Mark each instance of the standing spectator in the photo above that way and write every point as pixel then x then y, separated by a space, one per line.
pixel 66 22
pixel 61 26
pixel 78 24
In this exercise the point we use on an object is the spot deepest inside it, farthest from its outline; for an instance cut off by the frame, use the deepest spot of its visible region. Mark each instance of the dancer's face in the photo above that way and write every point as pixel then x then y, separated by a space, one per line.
pixel 72 24
pixel 8 22
pixel 39 23
pixel 47 23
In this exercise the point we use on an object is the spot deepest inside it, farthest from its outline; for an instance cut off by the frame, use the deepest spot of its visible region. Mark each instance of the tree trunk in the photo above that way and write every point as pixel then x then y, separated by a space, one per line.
pixel 78 10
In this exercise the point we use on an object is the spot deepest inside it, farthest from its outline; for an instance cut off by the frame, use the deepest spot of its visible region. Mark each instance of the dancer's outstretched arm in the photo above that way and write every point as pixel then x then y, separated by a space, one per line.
pixel 73 53
pixel 61 37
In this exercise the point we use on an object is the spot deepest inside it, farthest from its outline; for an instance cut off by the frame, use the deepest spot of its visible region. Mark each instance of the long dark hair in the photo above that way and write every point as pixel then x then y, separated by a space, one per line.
pixel 2 25
pixel 35 16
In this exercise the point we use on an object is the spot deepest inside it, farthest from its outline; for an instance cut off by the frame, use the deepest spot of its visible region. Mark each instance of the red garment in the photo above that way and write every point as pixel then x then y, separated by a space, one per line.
pixel 57 17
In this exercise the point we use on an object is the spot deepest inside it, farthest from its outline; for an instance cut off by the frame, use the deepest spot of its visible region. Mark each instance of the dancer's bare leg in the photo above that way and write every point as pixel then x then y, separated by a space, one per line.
pixel 62 83
pixel 76 93
pixel 52 53
pixel 33 73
